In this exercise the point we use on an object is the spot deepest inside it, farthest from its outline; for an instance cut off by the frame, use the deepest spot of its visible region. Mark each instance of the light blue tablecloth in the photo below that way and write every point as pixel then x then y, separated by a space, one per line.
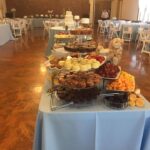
pixel 91 128
pixel 135 27
pixel 51 40
pixel 38 22
pixel 5 34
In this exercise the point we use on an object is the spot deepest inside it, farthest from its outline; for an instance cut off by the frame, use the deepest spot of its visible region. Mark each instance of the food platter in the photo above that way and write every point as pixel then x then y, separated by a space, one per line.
pixel 62 103
pixel 125 83
pixel 102 62
pixel 82 31
pixel 115 99
pixel 109 71
pixel 77 79
pixel 64 36
pixel 80 49
pixel 77 96
pixel 74 64
pixel 84 47
pixel 117 76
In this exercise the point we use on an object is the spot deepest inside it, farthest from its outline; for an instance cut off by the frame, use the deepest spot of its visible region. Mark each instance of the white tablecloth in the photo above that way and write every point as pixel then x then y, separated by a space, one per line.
pixel 5 34
pixel 91 128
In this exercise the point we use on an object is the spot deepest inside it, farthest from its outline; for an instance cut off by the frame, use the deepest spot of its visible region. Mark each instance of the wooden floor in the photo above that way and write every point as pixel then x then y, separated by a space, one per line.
pixel 22 75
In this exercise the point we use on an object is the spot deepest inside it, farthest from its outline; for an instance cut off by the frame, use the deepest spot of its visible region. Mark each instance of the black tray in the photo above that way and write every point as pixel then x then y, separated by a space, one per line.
pixel 80 49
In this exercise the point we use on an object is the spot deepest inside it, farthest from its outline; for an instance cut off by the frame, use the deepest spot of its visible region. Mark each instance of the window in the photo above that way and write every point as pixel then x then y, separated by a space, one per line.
pixel 144 10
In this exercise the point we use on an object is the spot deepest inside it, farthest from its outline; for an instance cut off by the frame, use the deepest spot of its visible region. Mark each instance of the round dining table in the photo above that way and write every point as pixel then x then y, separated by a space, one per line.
pixel 5 34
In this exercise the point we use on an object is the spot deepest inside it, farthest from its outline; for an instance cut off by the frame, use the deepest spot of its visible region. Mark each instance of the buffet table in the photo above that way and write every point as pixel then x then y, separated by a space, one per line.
pixel 5 34
pixel 94 127
pixel 38 22
pixel 52 32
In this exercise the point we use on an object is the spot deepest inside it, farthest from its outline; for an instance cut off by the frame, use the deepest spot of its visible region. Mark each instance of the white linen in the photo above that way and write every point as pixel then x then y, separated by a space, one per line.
pixel 5 34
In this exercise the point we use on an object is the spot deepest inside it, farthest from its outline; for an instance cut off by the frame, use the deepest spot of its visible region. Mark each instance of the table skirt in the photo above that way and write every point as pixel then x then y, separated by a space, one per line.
pixel 93 131
pixel 94 127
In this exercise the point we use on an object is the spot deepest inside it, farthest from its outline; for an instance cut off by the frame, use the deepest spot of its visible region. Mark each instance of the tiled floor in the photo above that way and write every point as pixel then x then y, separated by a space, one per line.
pixel 21 79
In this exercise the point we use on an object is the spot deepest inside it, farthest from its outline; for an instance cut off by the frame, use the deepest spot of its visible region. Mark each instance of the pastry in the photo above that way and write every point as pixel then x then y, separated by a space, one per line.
pixel 84 47
pixel 135 100
pixel 131 103
pixel 54 62
pixel 79 79
pixel 108 70
pixel 95 65
pixel 68 66
pixel 139 102
pixel 79 64
pixel 76 68
pixel 83 67
pixel 138 91
pixel 61 63
pixel 89 67
pixel 125 82
pixel 132 97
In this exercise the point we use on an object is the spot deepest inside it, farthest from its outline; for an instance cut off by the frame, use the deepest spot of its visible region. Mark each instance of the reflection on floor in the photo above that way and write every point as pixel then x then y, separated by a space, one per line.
pixel 22 76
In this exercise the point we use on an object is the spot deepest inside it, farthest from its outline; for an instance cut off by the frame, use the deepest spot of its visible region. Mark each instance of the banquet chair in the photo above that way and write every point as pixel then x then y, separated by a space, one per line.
pixel 46 27
pixel 99 25
pixel 104 28
pixel 113 32
pixel 16 28
pixel 62 16
pixel 144 35
pixel 146 47
pixel 127 33
pixel 24 26
pixel 140 30
pixel 57 16
pixel 46 15
pixel 29 24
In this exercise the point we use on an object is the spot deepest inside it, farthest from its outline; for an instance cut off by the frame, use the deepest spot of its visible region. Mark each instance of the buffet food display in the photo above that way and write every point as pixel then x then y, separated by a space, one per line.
pixel 109 71
pixel 82 31
pixel 64 35
pixel 125 82
pixel 69 19
pixel 79 80
pixel 135 100
pixel 79 64
pixel 84 78
pixel 84 47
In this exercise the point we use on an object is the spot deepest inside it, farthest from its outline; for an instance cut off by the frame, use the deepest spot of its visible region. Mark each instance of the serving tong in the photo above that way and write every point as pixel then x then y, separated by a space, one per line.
pixel 52 105
pixel 111 94
pixel 54 108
